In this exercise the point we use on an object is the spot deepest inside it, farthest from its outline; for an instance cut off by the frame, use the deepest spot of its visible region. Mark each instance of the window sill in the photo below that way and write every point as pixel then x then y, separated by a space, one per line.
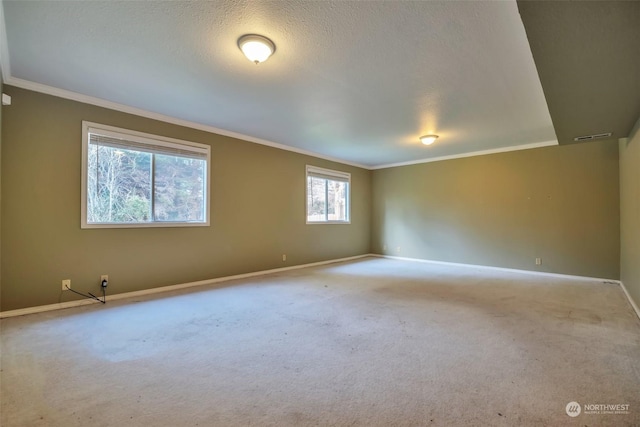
pixel 328 222
pixel 146 225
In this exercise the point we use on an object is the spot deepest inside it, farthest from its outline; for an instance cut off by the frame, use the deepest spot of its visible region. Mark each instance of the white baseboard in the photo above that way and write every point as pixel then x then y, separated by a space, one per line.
pixel 70 304
pixel 488 267
pixel 515 270
pixel 631 301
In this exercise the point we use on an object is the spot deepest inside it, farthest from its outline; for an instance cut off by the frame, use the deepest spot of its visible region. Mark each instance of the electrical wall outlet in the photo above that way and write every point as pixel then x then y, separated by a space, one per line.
pixel 284 257
pixel 66 284
pixel 384 247
pixel 103 278
pixel 398 249
pixel 538 261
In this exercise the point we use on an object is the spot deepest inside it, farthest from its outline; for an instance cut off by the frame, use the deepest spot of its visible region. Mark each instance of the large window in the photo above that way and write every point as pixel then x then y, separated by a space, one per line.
pixel 327 195
pixel 133 179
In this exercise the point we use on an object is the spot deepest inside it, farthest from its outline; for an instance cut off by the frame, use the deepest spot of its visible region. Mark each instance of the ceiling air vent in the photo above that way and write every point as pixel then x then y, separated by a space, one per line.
pixel 592 137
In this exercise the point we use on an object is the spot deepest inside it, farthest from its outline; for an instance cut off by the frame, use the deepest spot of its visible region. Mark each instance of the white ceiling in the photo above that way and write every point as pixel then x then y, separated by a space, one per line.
pixel 357 81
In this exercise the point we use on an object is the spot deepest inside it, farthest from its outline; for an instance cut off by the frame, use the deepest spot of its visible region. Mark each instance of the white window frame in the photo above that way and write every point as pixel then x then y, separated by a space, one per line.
pixel 342 176
pixel 143 138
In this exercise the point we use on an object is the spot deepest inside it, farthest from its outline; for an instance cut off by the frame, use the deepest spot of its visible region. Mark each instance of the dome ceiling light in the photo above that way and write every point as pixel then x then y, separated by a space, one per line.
pixel 256 48
pixel 428 139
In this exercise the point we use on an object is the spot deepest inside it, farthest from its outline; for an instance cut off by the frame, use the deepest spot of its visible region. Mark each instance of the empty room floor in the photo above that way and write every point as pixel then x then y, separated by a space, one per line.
pixel 372 342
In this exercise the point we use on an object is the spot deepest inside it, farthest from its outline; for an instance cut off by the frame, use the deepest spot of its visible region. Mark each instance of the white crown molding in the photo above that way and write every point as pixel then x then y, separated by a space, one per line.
pixel 470 154
pixel 86 99
pixel 78 303
pixel 5 69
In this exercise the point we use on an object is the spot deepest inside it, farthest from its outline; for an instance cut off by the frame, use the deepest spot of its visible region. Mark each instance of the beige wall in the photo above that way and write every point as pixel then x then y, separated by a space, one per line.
pixel 257 210
pixel 630 213
pixel 557 203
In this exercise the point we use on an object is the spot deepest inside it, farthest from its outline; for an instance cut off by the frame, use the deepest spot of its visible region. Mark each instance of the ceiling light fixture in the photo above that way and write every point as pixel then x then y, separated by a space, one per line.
pixel 428 139
pixel 256 48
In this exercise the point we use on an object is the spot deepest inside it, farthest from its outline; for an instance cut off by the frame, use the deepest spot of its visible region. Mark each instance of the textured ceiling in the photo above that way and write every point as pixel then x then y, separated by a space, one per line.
pixel 588 56
pixel 358 81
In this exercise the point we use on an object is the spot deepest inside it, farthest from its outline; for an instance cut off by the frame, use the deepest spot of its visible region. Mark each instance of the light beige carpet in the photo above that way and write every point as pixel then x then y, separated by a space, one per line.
pixel 375 342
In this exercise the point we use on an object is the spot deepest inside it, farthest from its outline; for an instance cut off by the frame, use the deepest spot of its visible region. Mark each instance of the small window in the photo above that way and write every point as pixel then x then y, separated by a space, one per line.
pixel 327 195
pixel 133 179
